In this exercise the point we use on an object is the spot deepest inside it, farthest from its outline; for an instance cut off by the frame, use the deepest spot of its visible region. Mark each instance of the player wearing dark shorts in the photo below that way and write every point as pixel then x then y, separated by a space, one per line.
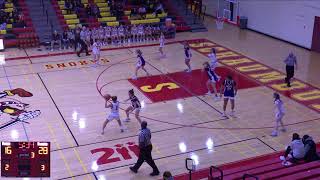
pixel 135 106
pixel 229 89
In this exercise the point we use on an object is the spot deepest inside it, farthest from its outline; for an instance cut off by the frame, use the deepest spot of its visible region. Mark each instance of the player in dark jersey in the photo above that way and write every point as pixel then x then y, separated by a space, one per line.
pixel 229 89
pixel 188 55
pixel 135 106
pixel 213 79
pixel 140 64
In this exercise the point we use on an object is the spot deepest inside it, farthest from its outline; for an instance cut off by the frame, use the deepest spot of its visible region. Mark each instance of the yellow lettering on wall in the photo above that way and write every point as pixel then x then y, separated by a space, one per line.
pixel 284 87
pixel 308 95
pixel 316 106
pixel 232 62
pixel 159 87
pixel 267 77
pixel 255 67
pixel 203 44
pixel 227 54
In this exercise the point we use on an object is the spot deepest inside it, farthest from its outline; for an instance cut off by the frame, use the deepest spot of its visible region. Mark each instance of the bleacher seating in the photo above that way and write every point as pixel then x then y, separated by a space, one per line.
pixel 266 167
pixel 22 37
pixel 67 21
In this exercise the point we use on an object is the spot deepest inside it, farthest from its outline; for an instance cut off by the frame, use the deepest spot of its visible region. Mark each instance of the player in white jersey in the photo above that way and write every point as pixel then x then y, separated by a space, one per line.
pixel 148 32
pixel 114 35
pixel 101 35
pixel 94 35
pixel 188 55
pixel 213 59
pixel 161 42
pixel 96 51
pixel 127 34
pixel 279 113
pixel 83 34
pixel 114 106
pixel 107 35
pixel 121 34
pixel 134 33
pixel 141 35
pixel 88 37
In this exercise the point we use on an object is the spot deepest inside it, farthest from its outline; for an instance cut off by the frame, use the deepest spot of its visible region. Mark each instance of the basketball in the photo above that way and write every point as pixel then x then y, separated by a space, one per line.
pixel 107 97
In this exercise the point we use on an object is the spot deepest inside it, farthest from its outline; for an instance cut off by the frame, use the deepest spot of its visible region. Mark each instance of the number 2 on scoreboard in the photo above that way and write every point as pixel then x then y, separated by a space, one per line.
pixel 43 150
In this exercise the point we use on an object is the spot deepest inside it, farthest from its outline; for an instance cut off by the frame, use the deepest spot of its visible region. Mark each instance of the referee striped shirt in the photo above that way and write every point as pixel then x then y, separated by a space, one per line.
pixel 144 138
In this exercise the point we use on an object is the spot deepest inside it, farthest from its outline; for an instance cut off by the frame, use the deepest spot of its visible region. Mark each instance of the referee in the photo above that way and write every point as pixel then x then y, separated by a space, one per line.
pixel 290 62
pixel 145 150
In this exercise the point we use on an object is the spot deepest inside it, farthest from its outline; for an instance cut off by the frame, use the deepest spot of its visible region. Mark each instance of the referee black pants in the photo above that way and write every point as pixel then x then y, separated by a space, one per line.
pixel 145 155
pixel 290 74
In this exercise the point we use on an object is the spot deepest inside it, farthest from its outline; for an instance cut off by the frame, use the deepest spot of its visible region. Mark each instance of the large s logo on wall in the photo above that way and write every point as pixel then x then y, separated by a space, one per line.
pixel 13 110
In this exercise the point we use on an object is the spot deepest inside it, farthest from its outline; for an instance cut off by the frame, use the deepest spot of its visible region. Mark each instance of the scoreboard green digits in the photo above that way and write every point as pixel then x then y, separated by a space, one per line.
pixel 25 159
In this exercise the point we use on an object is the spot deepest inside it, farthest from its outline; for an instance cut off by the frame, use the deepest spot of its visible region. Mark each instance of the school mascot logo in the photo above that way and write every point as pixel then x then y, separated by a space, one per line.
pixel 13 110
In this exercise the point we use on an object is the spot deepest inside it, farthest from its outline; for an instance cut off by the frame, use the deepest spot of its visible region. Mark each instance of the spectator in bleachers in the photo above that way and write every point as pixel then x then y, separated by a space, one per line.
pixel 294 152
pixel 68 5
pixel 65 41
pixel 3 26
pixel 159 9
pixel 2 4
pixel 142 12
pixel 55 39
pixel 88 10
pixel 310 148
pixel 71 38
pixel 167 175
pixel 95 11
pixel 15 15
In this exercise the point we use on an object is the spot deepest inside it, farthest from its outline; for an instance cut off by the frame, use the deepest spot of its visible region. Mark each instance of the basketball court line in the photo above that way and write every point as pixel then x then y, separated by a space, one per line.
pixel 267 144
pixel 164 157
pixel 53 101
pixel 67 137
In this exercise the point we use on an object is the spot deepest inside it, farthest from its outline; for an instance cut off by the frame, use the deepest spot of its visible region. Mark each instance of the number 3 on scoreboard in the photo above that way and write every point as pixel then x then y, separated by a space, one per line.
pixel 43 167
pixel 43 150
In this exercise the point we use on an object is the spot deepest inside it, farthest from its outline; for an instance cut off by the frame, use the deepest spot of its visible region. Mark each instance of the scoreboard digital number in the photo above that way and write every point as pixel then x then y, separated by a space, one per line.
pixel 25 159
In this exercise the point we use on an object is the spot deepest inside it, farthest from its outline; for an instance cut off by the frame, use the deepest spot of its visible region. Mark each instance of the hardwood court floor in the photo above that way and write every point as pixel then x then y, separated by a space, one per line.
pixel 184 123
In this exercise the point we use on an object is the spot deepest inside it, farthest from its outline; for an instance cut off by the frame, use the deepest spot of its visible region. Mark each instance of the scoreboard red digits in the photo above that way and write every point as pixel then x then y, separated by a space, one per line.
pixel 25 159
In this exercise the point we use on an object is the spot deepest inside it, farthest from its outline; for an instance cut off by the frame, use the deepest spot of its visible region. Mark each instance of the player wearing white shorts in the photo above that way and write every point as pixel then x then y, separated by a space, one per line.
pixel 188 55
pixel 135 106
pixel 134 33
pixel 213 59
pixel 101 35
pixel 107 35
pixel 121 34
pixel 114 106
pixel 140 64
pixel 114 35
pixel 213 78
pixel 141 34
pixel 161 43
pixel 88 37
pixel 94 35
pixel 279 113
pixel 96 51
pixel 229 90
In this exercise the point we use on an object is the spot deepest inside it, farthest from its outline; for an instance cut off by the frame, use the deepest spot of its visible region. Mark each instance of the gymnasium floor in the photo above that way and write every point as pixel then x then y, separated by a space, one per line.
pixel 185 122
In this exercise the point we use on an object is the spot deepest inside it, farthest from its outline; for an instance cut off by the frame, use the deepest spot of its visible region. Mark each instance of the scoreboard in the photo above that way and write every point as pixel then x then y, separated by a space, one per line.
pixel 25 159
